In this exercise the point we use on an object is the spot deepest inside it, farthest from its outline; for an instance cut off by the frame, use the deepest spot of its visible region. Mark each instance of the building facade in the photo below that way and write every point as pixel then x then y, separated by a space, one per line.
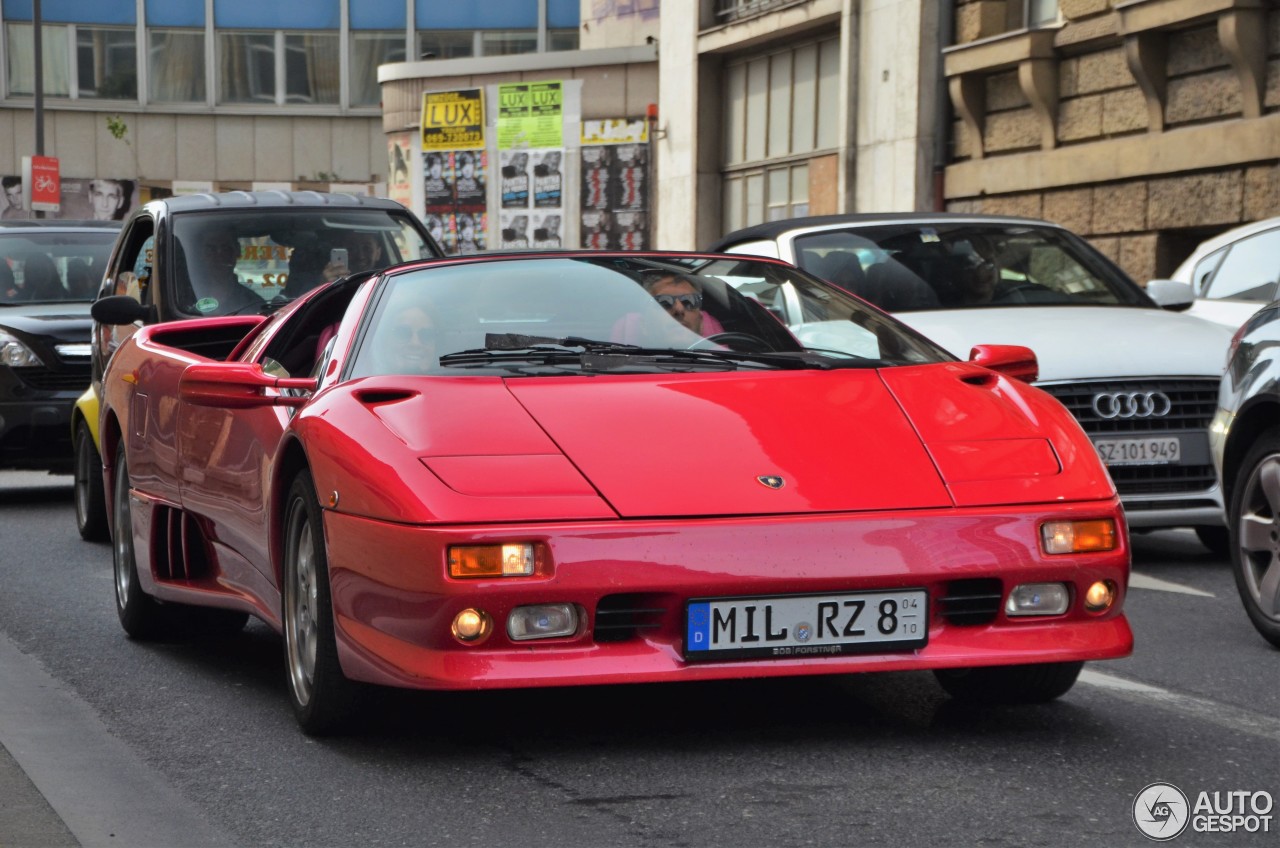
pixel 1145 125
pixel 778 108
pixel 236 94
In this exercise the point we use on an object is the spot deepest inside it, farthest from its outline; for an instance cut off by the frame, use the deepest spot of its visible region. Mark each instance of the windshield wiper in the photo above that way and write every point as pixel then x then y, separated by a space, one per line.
pixel 597 355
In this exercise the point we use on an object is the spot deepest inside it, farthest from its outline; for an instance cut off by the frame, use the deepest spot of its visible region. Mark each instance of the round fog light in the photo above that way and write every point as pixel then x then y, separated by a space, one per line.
pixel 1100 596
pixel 471 624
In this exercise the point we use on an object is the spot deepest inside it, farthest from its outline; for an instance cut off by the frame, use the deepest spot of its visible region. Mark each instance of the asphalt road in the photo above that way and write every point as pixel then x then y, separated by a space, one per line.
pixel 111 742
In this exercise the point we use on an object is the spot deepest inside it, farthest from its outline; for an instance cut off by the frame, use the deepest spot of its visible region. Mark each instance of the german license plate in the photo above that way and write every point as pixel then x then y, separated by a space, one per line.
pixel 1162 450
pixel 806 625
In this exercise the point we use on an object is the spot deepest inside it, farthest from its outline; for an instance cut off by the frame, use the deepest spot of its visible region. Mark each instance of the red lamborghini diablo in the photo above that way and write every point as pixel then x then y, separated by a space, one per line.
pixel 591 468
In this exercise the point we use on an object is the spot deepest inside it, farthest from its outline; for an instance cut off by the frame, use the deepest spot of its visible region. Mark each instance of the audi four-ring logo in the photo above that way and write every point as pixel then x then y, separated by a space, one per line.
pixel 1131 404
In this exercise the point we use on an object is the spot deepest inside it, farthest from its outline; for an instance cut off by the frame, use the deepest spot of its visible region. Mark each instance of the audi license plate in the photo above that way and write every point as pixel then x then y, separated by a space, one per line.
pixel 1162 450
pixel 805 625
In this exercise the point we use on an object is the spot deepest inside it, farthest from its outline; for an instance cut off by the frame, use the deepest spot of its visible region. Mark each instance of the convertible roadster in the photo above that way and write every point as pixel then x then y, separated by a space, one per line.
pixel 595 468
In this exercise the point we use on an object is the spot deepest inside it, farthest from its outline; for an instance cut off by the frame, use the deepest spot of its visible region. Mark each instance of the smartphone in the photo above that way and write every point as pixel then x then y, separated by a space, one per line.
pixel 338 256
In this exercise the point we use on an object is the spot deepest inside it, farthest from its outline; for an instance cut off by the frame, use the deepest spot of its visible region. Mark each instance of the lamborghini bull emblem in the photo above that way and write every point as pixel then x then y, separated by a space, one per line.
pixel 771 481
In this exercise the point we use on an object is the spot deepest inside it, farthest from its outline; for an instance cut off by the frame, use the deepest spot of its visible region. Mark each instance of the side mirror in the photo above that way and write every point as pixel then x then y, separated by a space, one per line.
pixel 1013 361
pixel 121 309
pixel 1171 294
pixel 239 385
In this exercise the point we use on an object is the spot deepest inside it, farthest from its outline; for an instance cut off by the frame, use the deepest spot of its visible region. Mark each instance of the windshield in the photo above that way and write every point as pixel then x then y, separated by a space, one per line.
pixel 235 261
pixel 965 265
pixel 544 315
pixel 47 267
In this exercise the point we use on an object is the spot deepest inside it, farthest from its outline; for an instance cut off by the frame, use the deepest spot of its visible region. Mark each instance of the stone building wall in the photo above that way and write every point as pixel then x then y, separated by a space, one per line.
pixel 1144 194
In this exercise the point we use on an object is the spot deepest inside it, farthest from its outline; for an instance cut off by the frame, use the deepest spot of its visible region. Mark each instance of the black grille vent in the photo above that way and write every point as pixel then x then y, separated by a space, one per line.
pixel 622 617
pixel 1192 404
pixel 1181 503
pixel 970 602
pixel 74 378
pixel 1161 479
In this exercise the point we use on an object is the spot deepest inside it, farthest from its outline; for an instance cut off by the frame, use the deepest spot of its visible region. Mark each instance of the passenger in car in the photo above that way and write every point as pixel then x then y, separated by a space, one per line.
pixel 8 286
pixel 40 279
pixel 364 253
pixel 408 342
pixel 218 290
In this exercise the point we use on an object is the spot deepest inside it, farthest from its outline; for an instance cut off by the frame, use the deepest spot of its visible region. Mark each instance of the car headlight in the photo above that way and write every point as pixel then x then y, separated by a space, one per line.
pixel 15 354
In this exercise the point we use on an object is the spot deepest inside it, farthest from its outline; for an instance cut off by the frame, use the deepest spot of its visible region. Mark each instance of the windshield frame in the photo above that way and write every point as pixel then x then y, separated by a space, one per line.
pixel 887 240
pixel 735 312
pixel 269 272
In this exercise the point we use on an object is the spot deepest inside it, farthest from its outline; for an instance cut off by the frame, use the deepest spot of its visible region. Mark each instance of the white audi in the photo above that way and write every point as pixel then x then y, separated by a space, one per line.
pixel 1141 378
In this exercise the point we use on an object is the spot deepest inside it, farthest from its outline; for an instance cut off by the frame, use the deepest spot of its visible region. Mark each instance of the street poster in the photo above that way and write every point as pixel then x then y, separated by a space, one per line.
pixel 548 179
pixel 399 179
pixel 530 114
pixel 80 199
pixel 453 120
pixel 455 189
pixel 515 178
pixel 614 191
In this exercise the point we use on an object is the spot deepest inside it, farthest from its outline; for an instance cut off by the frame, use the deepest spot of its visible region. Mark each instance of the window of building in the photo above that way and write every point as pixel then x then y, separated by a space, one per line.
pixel 562 39
pixel 246 67
pixel 1041 12
pixel 311 68
pixel 175 70
pixel 279 67
pixel 368 51
pixel 446 44
pixel 107 62
pixel 508 42
pixel 780 109
pixel 22 61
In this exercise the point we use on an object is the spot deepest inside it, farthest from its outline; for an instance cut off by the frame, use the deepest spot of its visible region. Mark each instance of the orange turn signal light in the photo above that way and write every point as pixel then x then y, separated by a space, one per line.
pixel 509 560
pixel 1079 537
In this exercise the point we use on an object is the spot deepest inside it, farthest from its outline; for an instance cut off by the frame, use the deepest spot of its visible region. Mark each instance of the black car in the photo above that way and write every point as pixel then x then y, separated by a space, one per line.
pixel 237 252
pixel 1245 438
pixel 49 273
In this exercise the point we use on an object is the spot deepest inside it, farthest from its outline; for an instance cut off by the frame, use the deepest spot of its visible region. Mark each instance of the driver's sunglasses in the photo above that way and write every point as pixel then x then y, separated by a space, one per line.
pixel 688 301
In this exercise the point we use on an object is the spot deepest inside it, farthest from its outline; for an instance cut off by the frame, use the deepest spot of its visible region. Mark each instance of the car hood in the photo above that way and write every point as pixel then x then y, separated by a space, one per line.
pixel 1086 342
pixel 914 437
pixel 695 446
pixel 63 321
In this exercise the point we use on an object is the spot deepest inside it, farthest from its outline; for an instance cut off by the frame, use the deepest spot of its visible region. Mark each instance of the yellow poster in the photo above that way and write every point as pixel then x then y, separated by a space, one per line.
pixel 453 120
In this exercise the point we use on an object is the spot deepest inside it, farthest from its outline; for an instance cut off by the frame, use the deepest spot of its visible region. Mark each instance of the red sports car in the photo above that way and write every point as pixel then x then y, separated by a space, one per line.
pixel 581 468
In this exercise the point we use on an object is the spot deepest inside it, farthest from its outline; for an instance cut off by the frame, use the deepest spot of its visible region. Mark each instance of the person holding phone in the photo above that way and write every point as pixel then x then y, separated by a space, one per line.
pixel 359 251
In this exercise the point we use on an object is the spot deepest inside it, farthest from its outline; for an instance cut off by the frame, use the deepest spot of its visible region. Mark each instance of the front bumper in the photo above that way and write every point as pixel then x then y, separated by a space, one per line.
pixel 35 424
pixel 394 604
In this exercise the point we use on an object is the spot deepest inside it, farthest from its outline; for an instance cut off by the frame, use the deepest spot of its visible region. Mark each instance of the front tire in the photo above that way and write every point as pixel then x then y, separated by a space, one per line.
pixel 140 615
pixel 323 698
pixel 91 499
pixel 1255 535
pixel 1010 684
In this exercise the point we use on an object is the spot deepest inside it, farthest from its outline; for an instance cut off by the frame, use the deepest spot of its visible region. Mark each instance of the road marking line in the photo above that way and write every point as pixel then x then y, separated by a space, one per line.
pixel 1214 712
pixel 1145 581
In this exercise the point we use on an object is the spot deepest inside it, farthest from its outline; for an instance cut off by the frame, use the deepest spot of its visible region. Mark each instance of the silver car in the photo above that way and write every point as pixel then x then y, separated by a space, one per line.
pixel 1246 450
pixel 1233 274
